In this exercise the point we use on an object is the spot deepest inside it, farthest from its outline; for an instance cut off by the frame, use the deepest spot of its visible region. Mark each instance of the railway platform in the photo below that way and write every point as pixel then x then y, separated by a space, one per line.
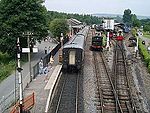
pixel 42 86
pixel 7 86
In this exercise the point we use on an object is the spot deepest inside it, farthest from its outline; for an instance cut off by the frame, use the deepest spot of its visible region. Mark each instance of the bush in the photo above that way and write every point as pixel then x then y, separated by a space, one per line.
pixel 4 57
pixel 133 31
pixel 145 54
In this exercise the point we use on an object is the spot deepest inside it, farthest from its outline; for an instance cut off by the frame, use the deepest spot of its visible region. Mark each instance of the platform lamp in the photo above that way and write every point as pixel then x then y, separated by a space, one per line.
pixel 61 43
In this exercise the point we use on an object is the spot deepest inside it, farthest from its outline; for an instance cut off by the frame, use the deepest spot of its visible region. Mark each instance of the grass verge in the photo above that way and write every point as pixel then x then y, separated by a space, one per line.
pixel 8 65
pixel 6 69
pixel 147 35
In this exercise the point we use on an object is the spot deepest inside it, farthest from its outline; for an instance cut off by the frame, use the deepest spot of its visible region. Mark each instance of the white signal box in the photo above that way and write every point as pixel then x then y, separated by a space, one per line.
pixel 108 24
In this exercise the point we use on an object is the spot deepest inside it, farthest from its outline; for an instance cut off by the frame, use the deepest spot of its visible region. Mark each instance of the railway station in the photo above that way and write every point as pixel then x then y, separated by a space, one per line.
pixel 65 86
pixel 72 63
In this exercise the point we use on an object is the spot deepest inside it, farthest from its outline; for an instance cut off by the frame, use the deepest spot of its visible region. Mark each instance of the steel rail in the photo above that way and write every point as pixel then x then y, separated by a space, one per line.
pixel 60 96
pixel 64 90
pixel 121 49
pixel 113 87
pixel 77 92
pixel 127 79
pixel 111 83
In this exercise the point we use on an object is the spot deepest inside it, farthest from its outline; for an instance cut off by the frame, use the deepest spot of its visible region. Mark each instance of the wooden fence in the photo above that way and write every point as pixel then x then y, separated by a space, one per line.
pixel 28 103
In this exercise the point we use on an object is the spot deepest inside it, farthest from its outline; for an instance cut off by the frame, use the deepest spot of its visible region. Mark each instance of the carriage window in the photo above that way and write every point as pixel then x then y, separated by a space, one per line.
pixel 72 57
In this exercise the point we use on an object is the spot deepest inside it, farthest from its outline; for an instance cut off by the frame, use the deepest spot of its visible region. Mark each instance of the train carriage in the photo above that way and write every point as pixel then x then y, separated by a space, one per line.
pixel 73 51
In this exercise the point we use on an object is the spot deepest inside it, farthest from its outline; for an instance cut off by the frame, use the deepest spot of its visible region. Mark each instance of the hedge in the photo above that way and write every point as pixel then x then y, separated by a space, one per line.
pixel 145 54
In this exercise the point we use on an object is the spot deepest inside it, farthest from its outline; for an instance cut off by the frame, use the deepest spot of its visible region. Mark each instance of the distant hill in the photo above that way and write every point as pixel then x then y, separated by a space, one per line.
pixel 115 15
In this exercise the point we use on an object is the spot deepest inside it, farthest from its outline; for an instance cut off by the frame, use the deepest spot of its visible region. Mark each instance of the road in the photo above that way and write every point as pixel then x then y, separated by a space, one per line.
pixel 8 85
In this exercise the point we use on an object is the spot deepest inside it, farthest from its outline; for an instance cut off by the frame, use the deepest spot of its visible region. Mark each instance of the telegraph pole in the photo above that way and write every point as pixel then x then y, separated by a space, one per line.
pixel 19 69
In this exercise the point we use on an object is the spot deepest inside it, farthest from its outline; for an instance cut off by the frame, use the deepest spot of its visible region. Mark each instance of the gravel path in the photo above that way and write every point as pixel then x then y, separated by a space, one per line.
pixel 140 76
pixel 88 80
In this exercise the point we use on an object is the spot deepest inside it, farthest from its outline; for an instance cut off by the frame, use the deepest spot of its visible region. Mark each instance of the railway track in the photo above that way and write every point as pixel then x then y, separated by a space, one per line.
pixel 113 93
pixel 121 81
pixel 67 93
pixel 106 98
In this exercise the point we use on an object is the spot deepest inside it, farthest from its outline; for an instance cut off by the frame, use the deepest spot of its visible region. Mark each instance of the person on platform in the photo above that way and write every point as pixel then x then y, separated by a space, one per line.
pixel 41 66
pixel 51 61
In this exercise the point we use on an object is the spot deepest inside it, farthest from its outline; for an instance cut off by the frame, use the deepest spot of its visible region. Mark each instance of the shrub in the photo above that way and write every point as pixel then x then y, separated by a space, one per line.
pixel 145 54
pixel 133 31
pixel 4 57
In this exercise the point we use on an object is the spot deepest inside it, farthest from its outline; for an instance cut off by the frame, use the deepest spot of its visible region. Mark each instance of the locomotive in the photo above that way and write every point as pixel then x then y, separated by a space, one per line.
pixel 97 43
pixel 73 51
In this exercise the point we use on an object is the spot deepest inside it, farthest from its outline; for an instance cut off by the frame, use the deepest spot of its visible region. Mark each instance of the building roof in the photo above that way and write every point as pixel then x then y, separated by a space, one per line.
pixel 74 22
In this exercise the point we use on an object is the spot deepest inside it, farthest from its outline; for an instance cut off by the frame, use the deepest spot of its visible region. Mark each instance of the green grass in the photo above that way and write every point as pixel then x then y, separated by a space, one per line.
pixel 8 65
pixel 147 35
pixel 6 70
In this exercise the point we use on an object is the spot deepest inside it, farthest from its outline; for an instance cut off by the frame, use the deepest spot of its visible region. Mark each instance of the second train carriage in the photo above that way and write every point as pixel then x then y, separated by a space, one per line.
pixel 73 51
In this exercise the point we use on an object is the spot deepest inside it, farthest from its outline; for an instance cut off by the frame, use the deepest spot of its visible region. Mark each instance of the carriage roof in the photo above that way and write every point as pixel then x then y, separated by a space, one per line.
pixel 76 42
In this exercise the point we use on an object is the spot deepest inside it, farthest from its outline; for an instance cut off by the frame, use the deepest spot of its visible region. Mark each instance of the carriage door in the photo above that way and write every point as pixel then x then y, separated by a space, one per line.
pixel 72 57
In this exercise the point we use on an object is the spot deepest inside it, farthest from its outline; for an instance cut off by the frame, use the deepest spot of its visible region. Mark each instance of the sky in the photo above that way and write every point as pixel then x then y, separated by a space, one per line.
pixel 138 7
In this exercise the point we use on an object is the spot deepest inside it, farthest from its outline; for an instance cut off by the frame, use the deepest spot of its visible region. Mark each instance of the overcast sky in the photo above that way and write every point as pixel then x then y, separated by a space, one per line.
pixel 138 7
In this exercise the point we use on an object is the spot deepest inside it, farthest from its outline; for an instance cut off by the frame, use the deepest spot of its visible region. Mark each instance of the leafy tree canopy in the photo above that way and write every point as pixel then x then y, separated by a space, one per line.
pixel 135 22
pixel 18 17
pixel 127 16
pixel 147 27
pixel 58 26
pixel 89 19
pixel 131 19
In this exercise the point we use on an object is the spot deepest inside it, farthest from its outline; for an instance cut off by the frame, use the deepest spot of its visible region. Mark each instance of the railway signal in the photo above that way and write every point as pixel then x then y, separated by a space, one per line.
pixel 19 69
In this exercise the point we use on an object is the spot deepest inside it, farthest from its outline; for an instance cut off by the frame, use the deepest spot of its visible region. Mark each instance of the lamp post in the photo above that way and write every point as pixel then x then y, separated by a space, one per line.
pixel 19 69
pixel 61 43
pixel 29 54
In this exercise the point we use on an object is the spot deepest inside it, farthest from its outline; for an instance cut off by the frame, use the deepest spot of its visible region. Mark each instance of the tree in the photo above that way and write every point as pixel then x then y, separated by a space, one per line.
pixel 118 19
pixel 58 26
pixel 18 17
pixel 146 24
pixel 135 21
pixel 89 19
pixel 147 27
pixel 127 16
